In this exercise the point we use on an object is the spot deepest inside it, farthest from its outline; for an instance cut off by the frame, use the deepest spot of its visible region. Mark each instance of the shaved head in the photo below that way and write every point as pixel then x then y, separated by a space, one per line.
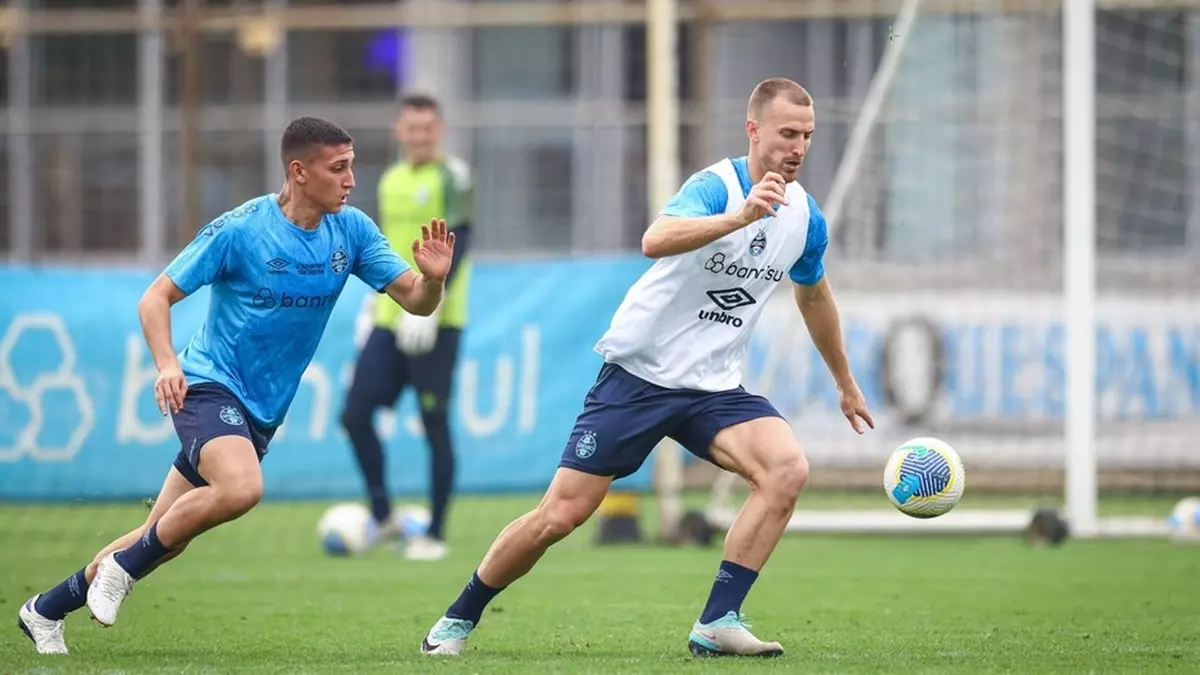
pixel 768 90
pixel 780 121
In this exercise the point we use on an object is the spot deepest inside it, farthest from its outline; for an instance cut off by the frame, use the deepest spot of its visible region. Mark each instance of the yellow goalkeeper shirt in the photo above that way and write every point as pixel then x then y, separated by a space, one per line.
pixel 411 195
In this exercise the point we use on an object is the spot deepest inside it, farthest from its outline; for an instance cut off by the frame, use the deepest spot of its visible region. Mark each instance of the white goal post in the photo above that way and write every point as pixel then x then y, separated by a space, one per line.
pixel 1075 309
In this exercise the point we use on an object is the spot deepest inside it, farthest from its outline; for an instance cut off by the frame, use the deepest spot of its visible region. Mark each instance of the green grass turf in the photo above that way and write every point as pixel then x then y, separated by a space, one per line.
pixel 257 596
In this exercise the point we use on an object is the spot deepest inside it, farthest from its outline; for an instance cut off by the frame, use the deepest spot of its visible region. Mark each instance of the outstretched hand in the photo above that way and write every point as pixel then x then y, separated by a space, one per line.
pixel 854 407
pixel 434 250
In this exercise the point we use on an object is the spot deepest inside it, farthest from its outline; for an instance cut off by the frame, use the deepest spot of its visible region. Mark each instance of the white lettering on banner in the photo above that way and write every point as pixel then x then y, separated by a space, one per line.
pixel 32 395
pixel 137 378
pixel 485 425
pixel 531 345
pixel 1002 384
pixel 139 375
pixel 481 426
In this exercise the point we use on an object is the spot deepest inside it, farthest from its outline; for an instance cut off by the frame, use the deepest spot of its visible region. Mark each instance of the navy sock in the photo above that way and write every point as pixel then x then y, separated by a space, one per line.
pixel 139 558
pixel 64 598
pixel 729 589
pixel 475 597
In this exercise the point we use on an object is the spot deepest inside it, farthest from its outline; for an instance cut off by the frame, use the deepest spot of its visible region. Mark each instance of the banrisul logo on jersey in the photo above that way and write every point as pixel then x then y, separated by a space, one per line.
pixel 720 264
pixel 267 298
pixel 727 300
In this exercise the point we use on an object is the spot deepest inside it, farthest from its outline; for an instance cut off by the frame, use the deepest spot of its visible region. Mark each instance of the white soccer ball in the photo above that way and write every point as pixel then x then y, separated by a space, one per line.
pixel 347 529
pixel 1184 521
pixel 924 478
pixel 413 520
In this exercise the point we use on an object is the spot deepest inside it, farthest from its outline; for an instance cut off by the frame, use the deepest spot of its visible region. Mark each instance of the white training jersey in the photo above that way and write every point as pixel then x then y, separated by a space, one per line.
pixel 686 323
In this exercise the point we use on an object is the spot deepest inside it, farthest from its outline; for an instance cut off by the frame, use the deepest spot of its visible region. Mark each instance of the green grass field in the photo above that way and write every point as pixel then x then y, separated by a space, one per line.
pixel 258 596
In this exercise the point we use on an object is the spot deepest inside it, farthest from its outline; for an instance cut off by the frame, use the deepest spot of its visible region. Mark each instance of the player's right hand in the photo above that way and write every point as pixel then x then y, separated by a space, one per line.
pixel 764 198
pixel 170 388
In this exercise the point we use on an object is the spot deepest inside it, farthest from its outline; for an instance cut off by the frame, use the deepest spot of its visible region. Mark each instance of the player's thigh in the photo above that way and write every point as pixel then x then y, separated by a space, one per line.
pixel 432 374
pixel 220 445
pixel 380 374
pixel 745 434
pixel 623 418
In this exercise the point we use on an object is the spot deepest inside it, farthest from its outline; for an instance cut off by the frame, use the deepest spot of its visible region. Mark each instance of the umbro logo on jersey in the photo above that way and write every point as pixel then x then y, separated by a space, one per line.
pixel 277 266
pixel 727 299
pixel 731 298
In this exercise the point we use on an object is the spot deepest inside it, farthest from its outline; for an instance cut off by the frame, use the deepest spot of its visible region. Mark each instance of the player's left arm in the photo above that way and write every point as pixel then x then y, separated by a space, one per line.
pixel 814 298
pixel 418 291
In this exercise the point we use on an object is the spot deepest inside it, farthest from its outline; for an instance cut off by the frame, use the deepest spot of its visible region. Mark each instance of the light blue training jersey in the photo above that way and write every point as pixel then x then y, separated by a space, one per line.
pixel 274 286
pixel 705 194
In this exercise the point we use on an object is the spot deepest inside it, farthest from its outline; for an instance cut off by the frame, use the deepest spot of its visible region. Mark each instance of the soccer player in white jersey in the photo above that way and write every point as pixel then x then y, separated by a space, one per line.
pixel 673 368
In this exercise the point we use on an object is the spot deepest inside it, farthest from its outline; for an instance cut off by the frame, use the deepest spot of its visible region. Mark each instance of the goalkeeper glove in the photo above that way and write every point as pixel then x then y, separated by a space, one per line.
pixel 416 335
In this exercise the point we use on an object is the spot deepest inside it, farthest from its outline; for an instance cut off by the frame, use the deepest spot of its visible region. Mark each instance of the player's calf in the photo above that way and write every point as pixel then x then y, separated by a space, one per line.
pixel 230 467
pixel 766 454
pixel 572 498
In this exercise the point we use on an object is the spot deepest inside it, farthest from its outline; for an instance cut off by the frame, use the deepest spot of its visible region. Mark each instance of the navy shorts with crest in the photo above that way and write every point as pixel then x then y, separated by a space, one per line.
pixel 624 417
pixel 211 411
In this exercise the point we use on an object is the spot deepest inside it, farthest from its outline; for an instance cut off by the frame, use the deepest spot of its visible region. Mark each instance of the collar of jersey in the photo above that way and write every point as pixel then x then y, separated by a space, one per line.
pixel 741 166
pixel 278 213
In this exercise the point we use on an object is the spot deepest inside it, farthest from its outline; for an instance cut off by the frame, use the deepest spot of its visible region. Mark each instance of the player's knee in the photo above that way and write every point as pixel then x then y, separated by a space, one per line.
pixel 785 480
pixel 355 418
pixel 238 496
pixel 560 518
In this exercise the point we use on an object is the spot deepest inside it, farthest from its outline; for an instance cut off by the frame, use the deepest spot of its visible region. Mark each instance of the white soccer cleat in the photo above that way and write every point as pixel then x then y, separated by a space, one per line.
pixel 729 636
pixel 426 548
pixel 108 591
pixel 46 634
pixel 447 637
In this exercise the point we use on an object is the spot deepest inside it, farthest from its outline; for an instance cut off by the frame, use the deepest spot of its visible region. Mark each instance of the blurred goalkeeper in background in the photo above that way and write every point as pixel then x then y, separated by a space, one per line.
pixel 404 349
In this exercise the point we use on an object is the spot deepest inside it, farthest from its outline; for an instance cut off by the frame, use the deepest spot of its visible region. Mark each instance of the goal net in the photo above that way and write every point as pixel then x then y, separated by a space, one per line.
pixel 949 222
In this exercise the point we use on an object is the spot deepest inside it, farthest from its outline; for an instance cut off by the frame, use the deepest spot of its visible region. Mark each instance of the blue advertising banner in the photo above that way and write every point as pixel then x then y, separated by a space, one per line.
pixel 78 418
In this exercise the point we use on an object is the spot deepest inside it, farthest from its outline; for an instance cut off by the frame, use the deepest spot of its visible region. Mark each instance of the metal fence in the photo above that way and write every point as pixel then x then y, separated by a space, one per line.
pixel 129 123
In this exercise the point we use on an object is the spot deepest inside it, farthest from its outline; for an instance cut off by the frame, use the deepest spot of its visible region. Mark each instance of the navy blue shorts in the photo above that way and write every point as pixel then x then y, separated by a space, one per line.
pixel 210 411
pixel 624 418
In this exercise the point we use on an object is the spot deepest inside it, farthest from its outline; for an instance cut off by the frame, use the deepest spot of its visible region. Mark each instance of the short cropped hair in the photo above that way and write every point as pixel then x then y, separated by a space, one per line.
pixel 769 90
pixel 305 134
pixel 421 102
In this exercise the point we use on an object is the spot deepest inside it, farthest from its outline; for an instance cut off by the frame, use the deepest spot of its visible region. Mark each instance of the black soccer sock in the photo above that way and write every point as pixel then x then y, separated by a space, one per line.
pixel 141 556
pixel 471 603
pixel 729 589
pixel 369 450
pixel 437 431
pixel 64 598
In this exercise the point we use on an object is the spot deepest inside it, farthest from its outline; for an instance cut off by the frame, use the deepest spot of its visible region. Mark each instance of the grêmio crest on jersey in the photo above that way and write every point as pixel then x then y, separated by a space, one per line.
pixel 713 296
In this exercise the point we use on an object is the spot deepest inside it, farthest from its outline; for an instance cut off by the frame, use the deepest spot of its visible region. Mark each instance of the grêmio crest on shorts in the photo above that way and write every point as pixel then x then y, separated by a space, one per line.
pixel 686 323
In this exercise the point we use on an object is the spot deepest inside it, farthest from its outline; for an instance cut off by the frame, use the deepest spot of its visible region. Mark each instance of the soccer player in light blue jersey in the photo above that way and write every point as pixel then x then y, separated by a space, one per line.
pixel 276 266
